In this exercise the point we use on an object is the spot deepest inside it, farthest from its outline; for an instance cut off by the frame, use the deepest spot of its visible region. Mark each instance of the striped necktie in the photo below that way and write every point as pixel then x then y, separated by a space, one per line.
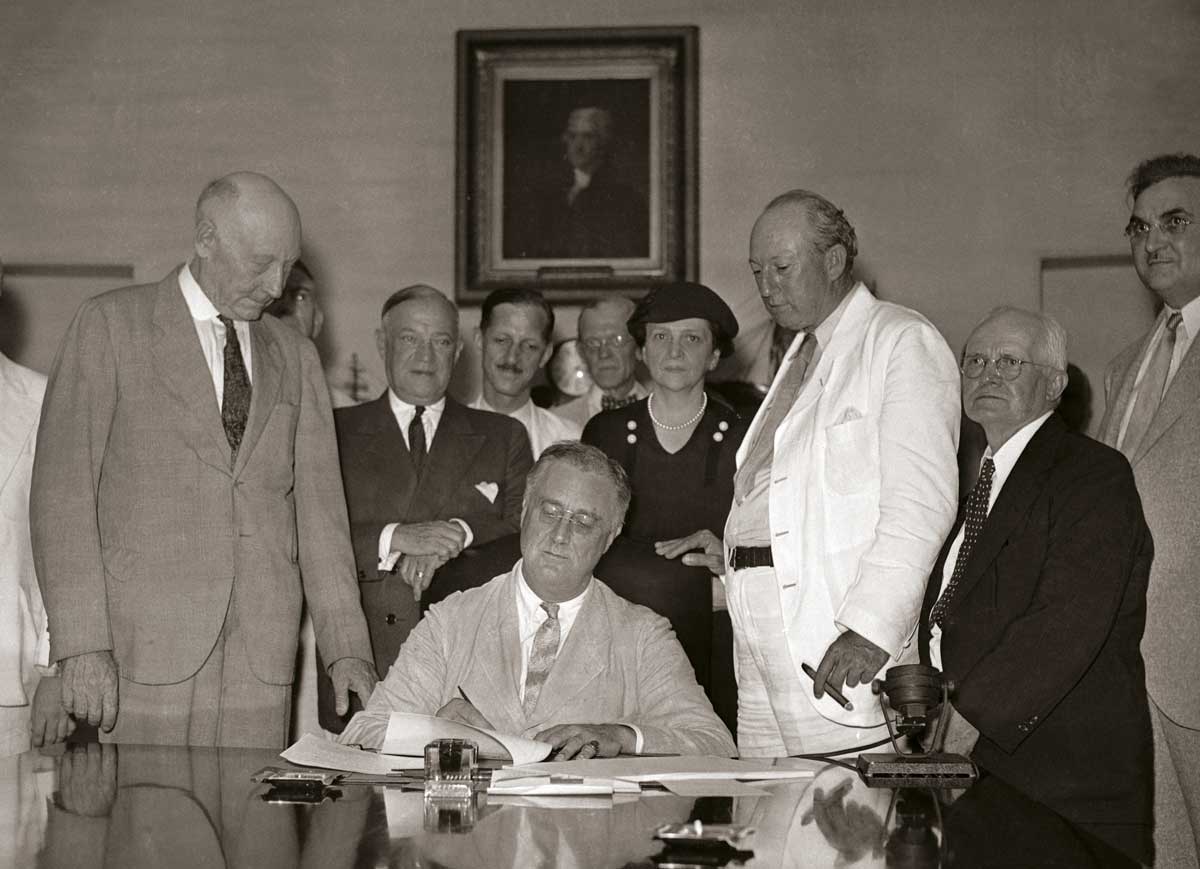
pixel 541 657
pixel 1150 391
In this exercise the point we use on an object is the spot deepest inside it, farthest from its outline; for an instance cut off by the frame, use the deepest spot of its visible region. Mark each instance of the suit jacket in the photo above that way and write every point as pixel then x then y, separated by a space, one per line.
pixel 1041 638
pixel 864 486
pixel 23 640
pixel 621 664
pixel 470 447
pixel 1168 477
pixel 144 535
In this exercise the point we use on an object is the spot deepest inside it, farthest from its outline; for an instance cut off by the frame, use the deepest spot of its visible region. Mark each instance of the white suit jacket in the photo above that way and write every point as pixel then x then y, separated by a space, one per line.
pixel 620 664
pixel 864 486
pixel 24 643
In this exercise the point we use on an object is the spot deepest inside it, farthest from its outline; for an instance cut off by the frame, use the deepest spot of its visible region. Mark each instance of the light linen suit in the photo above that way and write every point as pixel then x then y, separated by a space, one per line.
pixel 24 644
pixel 864 483
pixel 1167 472
pixel 146 540
pixel 620 664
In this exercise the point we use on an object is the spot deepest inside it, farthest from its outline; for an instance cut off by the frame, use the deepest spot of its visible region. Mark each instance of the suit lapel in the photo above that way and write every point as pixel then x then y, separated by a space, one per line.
pixel 501 673
pixel 180 364
pixel 455 445
pixel 1116 403
pixel 846 337
pixel 1024 485
pixel 1181 395
pixel 383 450
pixel 580 660
pixel 266 359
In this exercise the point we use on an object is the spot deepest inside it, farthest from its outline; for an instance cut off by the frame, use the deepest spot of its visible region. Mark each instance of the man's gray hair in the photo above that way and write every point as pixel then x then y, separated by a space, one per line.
pixel 588 459
pixel 829 223
pixel 1053 340
pixel 418 291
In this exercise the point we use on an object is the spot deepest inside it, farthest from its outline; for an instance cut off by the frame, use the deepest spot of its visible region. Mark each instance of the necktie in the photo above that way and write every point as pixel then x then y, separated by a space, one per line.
pixel 977 510
pixel 1150 390
pixel 763 449
pixel 235 406
pixel 611 402
pixel 416 438
pixel 541 657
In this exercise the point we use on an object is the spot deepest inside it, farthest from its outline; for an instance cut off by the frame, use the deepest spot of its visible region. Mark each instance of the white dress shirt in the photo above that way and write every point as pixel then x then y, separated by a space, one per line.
pixel 1004 460
pixel 530 616
pixel 542 426
pixel 430 419
pixel 211 332
pixel 1184 335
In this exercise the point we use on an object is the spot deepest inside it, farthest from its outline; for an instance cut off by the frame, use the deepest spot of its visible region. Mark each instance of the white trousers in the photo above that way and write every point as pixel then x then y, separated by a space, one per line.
pixel 775 715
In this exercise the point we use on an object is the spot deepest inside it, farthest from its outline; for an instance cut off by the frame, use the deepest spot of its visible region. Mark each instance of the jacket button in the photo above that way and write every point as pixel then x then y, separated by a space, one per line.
pixel 362 574
pixel 391 618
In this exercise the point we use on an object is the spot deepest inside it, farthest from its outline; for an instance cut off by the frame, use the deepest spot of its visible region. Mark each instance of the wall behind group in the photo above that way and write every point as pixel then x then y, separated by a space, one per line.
pixel 965 141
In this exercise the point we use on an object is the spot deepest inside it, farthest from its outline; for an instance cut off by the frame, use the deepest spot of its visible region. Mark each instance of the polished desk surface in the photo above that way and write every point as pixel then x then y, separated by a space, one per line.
pixel 152 806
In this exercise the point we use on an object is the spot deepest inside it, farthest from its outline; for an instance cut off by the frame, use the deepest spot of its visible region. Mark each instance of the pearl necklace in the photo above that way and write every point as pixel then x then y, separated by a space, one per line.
pixel 691 422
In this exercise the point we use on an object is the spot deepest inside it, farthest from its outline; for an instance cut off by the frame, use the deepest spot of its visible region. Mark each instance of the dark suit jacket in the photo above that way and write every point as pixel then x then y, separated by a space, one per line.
pixel 1041 639
pixel 143 534
pixel 470 447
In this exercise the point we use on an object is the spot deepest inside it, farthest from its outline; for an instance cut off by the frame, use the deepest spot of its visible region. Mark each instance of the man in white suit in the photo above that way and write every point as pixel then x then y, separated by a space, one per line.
pixel 846 487
pixel 548 651
pixel 1152 391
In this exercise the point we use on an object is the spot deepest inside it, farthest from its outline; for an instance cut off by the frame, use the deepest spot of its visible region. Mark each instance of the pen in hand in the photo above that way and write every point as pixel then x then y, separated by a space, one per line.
pixel 829 688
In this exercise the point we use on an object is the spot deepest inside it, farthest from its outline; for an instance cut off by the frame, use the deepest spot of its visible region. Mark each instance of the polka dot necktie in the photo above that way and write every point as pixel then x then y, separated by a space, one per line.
pixel 541 657
pixel 235 401
pixel 977 510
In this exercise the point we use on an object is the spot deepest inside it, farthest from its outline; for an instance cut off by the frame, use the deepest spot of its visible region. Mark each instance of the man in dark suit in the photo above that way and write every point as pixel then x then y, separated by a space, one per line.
pixel 1152 415
pixel 186 496
pixel 1036 605
pixel 425 476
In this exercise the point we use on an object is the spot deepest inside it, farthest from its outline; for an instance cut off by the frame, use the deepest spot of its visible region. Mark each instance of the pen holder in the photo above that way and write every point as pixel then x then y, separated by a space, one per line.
pixel 450 768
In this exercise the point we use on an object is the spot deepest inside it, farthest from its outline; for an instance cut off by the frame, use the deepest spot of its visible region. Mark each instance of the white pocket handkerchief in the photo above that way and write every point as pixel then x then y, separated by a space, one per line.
pixel 848 415
pixel 488 490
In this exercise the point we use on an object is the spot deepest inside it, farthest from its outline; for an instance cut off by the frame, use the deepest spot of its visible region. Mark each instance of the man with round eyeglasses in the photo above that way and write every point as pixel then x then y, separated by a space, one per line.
pixel 548 651
pixel 1152 415
pixel 611 357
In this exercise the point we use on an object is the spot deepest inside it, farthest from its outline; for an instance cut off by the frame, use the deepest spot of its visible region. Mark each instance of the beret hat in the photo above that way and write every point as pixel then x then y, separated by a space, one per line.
pixel 681 300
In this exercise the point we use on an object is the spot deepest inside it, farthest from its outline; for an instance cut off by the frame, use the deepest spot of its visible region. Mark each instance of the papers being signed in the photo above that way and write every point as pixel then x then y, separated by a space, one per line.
pixel 408 733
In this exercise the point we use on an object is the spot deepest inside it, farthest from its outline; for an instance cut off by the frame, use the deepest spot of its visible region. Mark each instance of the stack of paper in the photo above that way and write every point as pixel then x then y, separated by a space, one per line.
pixel 408 733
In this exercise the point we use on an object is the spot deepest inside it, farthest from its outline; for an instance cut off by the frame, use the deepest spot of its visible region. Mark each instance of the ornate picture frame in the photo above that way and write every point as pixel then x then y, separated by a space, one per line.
pixel 576 161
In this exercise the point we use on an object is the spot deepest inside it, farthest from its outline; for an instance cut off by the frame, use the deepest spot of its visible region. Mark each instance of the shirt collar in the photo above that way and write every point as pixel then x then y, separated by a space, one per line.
pixel 524 413
pixel 402 408
pixel 530 605
pixel 826 328
pixel 200 306
pixel 1006 457
pixel 1191 316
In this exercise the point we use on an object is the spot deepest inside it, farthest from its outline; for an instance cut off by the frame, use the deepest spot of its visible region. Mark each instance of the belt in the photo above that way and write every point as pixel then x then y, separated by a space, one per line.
pixel 743 557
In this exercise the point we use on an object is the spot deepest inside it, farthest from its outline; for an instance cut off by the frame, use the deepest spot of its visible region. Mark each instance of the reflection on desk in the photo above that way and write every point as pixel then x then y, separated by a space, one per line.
pixel 152 806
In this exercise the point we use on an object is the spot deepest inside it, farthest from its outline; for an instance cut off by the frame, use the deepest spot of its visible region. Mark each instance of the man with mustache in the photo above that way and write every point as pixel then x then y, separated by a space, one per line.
pixel 1152 391
pixel 515 339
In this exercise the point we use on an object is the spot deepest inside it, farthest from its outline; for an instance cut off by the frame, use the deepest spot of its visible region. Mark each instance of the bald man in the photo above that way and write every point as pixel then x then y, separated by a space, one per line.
pixel 610 354
pixel 186 495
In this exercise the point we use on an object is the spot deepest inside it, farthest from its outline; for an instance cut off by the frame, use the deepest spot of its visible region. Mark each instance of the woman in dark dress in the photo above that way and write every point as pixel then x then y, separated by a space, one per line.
pixel 678 447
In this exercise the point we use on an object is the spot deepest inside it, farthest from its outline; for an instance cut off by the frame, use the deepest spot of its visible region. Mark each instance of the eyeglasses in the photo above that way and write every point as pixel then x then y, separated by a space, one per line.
pixel 1172 225
pixel 612 342
pixel 1007 367
pixel 583 522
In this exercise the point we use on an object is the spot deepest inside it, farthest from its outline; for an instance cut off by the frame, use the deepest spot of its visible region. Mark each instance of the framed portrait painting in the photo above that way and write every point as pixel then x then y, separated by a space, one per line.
pixel 576 160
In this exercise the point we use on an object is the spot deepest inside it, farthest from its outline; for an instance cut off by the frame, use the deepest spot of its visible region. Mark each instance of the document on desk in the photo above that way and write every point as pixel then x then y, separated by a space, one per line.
pixel 313 750
pixel 665 769
pixel 408 733
pixel 517 781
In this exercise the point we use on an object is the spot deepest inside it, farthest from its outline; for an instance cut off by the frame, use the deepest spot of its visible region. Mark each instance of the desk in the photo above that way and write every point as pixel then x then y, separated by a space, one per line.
pixel 148 806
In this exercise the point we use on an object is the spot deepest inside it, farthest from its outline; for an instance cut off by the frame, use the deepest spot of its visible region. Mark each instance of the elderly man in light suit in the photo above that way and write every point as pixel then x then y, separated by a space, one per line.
pixel 1153 416
pixel 846 486
pixel 548 651
pixel 186 495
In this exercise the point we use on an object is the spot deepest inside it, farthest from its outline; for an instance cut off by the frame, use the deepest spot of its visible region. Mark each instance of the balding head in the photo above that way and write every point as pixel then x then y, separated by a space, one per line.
pixel 247 237
pixel 608 349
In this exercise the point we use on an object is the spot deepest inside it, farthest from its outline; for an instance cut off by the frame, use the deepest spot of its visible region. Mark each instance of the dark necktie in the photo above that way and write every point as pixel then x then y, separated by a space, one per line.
pixel 416 438
pixel 1150 390
pixel 235 406
pixel 977 510
pixel 541 657
pixel 611 402
pixel 762 450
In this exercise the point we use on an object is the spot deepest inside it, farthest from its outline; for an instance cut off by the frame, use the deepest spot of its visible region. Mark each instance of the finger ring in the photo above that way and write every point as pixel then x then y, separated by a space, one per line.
pixel 593 745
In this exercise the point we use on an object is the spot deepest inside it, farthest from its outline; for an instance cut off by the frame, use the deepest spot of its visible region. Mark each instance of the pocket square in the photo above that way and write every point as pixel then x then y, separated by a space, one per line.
pixel 488 490
pixel 848 415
